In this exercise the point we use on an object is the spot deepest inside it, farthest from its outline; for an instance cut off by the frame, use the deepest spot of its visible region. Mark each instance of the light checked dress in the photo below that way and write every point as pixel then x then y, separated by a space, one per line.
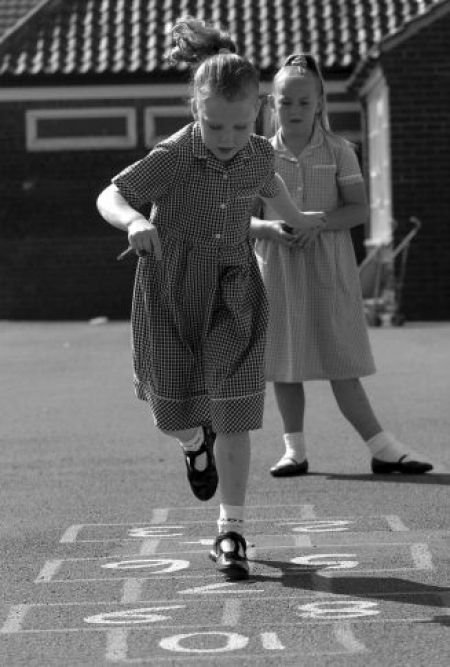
pixel 317 329
pixel 199 316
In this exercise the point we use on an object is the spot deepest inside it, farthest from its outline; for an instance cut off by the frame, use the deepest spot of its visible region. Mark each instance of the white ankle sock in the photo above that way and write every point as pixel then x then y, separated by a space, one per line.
pixel 231 518
pixel 193 445
pixel 295 446
pixel 385 447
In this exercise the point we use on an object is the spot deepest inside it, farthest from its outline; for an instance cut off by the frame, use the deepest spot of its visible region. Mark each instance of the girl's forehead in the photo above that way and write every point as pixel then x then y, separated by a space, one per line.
pixel 291 81
pixel 218 107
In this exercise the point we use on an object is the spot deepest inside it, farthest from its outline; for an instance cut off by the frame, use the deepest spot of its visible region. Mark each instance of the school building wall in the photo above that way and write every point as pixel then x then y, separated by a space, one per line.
pixel 417 73
pixel 57 255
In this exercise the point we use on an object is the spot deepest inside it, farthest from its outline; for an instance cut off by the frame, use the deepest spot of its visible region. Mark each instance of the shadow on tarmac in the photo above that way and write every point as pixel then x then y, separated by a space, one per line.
pixel 390 589
pixel 397 478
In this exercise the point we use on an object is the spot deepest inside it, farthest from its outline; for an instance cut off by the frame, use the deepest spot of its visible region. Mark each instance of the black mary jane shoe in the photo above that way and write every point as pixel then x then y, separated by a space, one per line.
pixel 400 466
pixel 203 482
pixel 289 468
pixel 231 563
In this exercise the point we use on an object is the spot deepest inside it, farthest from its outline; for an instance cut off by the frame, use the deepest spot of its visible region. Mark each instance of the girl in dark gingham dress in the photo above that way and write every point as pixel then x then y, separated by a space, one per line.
pixel 199 307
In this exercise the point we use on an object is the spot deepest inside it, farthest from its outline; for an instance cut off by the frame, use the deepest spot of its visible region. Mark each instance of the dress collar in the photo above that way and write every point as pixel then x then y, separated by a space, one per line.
pixel 282 150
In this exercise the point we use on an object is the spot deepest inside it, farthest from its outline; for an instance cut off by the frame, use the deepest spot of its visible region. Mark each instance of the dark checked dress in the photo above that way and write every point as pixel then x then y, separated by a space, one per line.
pixel 199 316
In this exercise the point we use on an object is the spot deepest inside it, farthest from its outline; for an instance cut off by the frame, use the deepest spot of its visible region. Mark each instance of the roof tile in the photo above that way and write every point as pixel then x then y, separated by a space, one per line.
pixel 83 37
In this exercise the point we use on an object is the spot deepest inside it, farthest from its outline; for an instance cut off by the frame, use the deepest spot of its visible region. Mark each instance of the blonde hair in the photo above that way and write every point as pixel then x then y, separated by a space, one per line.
pixel 215 66
pixel 299 64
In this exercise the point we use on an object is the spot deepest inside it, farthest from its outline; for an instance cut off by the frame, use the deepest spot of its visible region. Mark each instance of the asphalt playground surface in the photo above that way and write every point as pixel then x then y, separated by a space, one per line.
pixel 104 548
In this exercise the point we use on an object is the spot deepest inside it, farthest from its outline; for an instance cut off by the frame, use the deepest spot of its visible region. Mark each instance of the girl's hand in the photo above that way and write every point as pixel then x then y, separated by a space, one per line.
pixel 304 239
pixel 312 220
pixel 278 231
pixel 143 238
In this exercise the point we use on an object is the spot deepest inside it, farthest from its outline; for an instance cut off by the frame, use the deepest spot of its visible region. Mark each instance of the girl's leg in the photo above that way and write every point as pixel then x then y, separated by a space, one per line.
pixel 191 440
pixel 355 406
pixel 290 397
pixel 233 464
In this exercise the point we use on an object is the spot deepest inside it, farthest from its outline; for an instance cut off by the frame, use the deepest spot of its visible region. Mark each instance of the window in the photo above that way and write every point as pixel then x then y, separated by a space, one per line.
pixel 162 121
pixel 80 129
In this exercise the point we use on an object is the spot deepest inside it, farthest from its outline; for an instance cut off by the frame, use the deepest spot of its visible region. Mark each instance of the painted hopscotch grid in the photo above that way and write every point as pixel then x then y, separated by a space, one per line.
pixel 227 627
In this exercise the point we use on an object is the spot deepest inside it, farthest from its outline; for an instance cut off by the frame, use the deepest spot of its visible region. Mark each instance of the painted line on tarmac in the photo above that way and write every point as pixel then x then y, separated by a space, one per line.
pixel 395 523
pixel 49 570
pixel 15 619
pixel 145 627
pixel 421 556
pixel 345 636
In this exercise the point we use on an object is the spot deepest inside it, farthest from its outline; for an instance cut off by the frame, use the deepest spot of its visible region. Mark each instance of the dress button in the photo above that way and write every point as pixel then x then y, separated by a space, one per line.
pixel 218 236
pixel 222 206
pixel 225 176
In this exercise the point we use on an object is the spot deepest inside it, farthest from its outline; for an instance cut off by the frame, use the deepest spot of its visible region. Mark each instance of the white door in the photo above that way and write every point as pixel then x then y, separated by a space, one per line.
pixel 379 162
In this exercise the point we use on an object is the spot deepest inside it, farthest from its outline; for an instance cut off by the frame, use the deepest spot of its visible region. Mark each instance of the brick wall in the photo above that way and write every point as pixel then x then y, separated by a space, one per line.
pixel 57 255
pixel 417 75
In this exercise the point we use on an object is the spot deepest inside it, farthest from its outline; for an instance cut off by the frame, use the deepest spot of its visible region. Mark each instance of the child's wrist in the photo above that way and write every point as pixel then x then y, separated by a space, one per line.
pixel 135 218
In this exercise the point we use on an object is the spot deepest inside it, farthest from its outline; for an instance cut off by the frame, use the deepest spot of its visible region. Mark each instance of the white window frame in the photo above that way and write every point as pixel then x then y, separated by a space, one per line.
pixel 36 143
pixel 150 139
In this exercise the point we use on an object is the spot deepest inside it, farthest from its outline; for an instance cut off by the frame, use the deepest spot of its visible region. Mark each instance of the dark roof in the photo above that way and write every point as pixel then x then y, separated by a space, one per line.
pixel 12 11
pixel 82 38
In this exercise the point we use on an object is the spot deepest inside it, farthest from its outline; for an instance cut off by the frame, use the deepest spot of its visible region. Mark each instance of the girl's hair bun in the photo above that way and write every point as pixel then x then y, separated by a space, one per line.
pixel 196 40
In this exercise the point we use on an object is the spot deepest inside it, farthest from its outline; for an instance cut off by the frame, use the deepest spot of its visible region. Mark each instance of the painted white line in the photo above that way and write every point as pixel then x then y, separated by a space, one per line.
pixel 421 556
pixel 443 595
pixel 159 515
pixel 51 567
pixel 145 628
pixel 116 645
pixel 307 512
pixel 231 613
pixel 149 547
pixel 15 619
pixel 71 534
pixel 132 590
pixel 300 541
pixel 344 635
pixel 271 642
pixel 395 523
pixel 219 588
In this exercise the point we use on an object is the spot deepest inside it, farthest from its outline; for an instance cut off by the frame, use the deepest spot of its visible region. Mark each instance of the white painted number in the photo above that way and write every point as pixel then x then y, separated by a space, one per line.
pixel 133 616
pixel 330 562
pixel 336 526
pixel 337 609
pixel 159 565
pixel 230 641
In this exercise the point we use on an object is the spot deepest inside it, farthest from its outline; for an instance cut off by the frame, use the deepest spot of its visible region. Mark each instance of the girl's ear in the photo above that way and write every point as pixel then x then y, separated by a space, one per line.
pixel 194 108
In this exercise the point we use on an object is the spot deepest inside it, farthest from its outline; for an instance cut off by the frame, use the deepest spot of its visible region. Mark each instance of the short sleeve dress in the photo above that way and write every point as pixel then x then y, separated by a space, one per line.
pixel 199 316
pixel 317 328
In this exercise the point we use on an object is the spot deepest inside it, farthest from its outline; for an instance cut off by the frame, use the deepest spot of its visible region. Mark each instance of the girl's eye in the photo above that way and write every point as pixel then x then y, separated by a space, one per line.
pixel 213 127
pixel 240 127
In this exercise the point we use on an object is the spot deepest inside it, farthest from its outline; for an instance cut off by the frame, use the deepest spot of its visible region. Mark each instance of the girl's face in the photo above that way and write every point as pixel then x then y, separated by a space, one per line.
pixel 225 125
pixel 296 102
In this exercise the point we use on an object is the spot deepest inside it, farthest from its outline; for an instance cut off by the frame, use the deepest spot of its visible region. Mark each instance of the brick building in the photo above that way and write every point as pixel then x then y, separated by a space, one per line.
pixel 85 89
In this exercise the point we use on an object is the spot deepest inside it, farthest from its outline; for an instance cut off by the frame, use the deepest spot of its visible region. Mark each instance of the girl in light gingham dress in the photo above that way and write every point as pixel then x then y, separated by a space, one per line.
pixel 199 307
pixel 317 328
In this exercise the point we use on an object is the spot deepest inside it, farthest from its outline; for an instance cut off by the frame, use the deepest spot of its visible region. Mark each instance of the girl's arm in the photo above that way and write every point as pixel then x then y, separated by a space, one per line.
pixel 142 234
pixel 288 211
pixel 353 211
